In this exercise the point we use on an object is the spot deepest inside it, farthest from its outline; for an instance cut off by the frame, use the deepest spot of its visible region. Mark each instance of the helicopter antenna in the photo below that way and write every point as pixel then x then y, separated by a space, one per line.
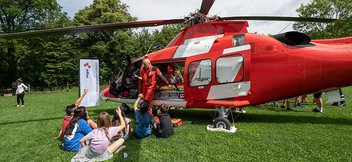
pixel 285 28
pixel 149 48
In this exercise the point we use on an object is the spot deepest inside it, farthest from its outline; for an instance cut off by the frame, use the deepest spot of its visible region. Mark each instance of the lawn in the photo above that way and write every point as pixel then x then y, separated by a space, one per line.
pixel 265 133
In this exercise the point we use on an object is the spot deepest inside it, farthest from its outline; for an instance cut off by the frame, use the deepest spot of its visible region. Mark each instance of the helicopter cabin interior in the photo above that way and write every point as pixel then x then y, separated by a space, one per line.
pixel 173 72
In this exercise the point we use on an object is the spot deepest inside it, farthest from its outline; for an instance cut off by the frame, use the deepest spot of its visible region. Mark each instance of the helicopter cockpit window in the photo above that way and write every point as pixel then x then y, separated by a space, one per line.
pixel 229 69
pixel 238 40
pixel 199 72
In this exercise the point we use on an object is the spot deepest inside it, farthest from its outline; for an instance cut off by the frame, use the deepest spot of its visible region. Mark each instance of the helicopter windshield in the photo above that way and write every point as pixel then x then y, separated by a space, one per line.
pixel 120 68
pixel 116 80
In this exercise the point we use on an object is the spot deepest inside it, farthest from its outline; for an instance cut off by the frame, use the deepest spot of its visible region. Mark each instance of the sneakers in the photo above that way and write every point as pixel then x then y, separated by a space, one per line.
pixel 289 109
pixel 239 110
pixel 298 106
pixel 22 105
pixel 335 104
pixel 343 105
pixel 18 105
pixel 317 110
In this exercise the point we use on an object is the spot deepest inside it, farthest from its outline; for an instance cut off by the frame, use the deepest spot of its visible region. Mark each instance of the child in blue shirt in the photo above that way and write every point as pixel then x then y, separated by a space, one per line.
pixel 76 130
pixel 144 120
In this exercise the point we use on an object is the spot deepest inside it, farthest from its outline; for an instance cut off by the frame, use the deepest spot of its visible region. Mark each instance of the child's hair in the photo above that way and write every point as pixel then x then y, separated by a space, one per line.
pixel 143 107
pixel 20 80
pixel 79 113
pixel 104 122
pixel 116 119
pixel 164 108
pixel 70 109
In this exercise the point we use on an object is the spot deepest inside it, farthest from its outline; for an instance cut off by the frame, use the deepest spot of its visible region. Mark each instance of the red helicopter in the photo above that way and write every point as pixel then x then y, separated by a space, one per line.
pixel 215 63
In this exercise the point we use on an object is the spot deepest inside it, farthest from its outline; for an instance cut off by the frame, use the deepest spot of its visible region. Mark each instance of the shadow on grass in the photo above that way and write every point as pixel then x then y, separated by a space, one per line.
pixel 277 118
pixel 32 120
pixel 204 117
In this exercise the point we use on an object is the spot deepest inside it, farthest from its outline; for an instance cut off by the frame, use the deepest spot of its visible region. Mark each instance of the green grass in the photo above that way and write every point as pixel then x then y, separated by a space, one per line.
pixel 265 133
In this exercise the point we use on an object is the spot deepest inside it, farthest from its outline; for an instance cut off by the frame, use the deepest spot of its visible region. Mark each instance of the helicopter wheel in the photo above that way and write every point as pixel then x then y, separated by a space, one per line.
pixel 222 122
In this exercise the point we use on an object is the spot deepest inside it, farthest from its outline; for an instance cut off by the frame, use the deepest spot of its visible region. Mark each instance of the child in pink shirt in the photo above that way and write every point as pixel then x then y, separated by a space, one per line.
pixel 97 145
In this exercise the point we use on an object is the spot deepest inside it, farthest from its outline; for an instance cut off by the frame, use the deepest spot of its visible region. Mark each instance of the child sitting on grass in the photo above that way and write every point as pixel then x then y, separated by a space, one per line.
pixel 67 119
pixel 76 130
pixel 144 120
pixel 164 127
pixel 98 144
pixel 116 122
pixel 69 115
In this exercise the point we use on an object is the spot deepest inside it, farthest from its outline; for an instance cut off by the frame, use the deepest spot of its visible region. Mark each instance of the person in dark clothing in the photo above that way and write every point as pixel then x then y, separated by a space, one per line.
pixel 318 101
pixel 164 128
pixel 342 102
pixel 14 87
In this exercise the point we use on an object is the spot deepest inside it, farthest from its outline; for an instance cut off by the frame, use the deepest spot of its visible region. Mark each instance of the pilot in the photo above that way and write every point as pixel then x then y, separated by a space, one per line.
pixel 148 75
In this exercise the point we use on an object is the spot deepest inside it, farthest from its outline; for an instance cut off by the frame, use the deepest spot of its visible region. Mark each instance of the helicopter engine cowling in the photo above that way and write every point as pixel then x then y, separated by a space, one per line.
pixel 292 38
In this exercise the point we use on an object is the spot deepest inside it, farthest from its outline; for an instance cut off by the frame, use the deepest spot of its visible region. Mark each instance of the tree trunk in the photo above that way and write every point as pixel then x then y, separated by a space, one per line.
pixel 12 71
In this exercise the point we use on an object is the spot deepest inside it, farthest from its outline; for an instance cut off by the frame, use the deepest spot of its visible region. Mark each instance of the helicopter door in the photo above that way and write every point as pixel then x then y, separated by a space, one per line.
pixel 222 76
pixel 198 78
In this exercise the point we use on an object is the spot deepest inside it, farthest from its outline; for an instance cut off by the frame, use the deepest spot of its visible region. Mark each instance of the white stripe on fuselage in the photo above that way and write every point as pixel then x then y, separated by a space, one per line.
pixel 229 90
pixel 196 46
pixel 236 49
pixel 175 102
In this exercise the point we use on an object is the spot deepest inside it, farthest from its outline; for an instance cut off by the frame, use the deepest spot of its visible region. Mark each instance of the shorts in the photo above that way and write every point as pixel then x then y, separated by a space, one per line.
pixel 317 95
pixel 86 154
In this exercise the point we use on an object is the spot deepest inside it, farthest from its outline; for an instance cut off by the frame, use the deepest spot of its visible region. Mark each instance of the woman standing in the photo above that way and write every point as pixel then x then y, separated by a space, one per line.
pixel 20 92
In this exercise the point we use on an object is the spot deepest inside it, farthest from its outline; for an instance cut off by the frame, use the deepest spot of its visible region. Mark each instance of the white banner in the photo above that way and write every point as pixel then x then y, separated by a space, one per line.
pixel 89 78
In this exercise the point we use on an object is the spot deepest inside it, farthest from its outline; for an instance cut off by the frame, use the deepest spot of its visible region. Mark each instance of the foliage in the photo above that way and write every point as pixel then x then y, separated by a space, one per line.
pixel 335 9
pixel 22 15
pixel 108 46
pixel 52 61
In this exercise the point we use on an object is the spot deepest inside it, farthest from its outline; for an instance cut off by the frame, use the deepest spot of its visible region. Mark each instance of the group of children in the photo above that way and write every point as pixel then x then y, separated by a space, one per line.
pixel 97 141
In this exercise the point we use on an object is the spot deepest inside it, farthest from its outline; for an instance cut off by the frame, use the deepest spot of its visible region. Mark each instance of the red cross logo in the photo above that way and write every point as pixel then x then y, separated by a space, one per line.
pixel 87 65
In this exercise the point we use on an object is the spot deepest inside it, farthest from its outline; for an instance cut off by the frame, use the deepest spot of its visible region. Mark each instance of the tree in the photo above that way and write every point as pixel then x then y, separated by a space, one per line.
pixel 108 46
pixel 163 37
pixel 22 15
pixel 337 9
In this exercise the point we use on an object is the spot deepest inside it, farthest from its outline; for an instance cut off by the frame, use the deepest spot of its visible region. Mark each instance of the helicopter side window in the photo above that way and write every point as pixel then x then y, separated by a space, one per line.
pixel 229 69
pixel 173 72
pixel 238 40
pixel 199 72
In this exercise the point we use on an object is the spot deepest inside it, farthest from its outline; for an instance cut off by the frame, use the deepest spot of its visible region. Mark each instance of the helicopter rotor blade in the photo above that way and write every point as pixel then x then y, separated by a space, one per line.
pixel 278 18
pixel 206 5
pixel 91 28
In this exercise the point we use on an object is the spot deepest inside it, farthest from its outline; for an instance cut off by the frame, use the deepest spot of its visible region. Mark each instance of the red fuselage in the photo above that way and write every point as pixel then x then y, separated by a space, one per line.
pixel 267 68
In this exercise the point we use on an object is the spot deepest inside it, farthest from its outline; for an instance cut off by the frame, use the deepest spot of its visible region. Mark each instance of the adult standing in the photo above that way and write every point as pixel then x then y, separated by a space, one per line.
pixel 342 102
pixel 318 101
pixel 148 75
pixel 20 92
